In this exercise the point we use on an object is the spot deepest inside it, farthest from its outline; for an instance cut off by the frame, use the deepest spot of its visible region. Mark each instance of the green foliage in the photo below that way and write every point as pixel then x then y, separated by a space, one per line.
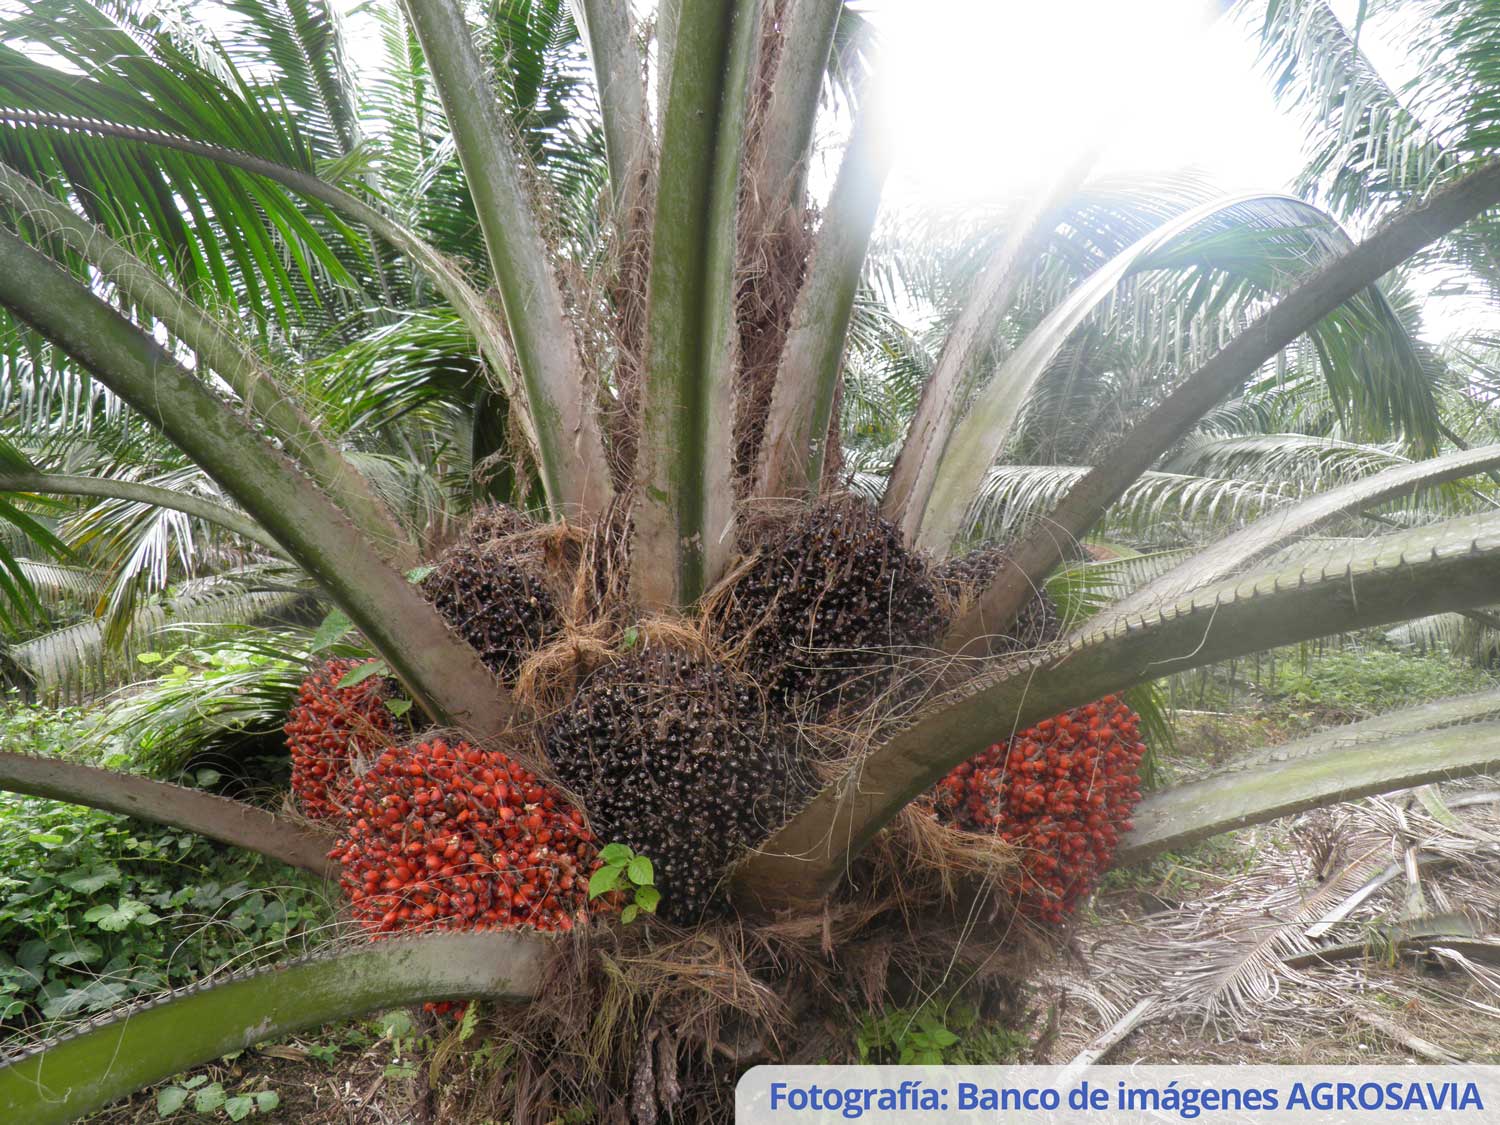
pixel 96 908
pixel 926 1035
pixel 1367 681
pixel 210 1098
pixel 939 1032
pixel 209 696
pixel 362 672
pixel 622 869
pixel 988 1043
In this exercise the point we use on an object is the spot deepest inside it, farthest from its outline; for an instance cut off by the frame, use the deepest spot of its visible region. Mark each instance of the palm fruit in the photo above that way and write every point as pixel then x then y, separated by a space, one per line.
pixel 1062 792
pixel 830 605
pixel 491 589
pixel 450 837
pixel 330 731
pixel 677 758
pixel 965 577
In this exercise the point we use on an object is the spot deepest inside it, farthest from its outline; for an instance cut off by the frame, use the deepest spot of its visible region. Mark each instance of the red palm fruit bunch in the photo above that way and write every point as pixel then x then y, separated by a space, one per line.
pixel 328 727
pixel 1062 792
pixel 448 836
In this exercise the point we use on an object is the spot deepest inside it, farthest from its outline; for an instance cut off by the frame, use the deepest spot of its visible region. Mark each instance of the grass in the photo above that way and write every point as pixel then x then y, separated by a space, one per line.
pixel 1369 681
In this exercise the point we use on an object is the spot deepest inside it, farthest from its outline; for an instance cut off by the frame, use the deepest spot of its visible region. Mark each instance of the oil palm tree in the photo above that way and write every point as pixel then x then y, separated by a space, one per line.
pixel 579 248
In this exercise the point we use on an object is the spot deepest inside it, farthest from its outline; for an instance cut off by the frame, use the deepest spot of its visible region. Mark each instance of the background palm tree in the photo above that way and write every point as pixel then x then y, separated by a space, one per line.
pixel 284 329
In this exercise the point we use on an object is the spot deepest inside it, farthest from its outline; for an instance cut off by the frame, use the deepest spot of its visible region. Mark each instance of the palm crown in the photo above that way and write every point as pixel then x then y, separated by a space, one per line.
pixel 275 327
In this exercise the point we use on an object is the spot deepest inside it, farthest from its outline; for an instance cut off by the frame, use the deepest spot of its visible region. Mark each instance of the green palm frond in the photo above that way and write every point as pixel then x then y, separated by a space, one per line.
pixel 413 148
pixel 143 548
pixel 75 662
pixel 293 51
pixel 77 586
pixel 1305 461
pixel 849 62
pixel 1364 146
pixel 1373 144
pixel 410 487
pixel 1013 496
pixel 421 364
pixel 228 239
pixel 545 80
pixel 215 695
pixel 1471 636
pixel 884 370
pixel 25 529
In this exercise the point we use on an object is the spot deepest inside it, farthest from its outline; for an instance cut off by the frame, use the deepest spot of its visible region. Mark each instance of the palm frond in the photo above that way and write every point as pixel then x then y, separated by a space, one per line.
pixel 293 51
pixel 1158 504
pixel 75 662
pixel 1363 145
pixel 228 239
pixel 1304 462
pixel 222 694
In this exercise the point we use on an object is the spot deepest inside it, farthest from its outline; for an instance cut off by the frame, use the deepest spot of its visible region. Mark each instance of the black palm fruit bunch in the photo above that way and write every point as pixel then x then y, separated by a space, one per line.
pixel 828 608
pixel 963 577
pixel 676 756
pixel 491 587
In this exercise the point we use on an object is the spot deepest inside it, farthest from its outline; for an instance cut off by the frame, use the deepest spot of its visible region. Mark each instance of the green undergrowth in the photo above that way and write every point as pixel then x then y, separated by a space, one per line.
pixel 323 1075
pixel 940 1032
pixel 1225 712
pixel 1372 680
pixel 1302 687
pixel 97 908
pixel 1174 877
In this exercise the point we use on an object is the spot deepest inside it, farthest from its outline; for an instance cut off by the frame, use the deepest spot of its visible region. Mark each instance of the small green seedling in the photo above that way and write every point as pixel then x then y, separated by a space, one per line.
pixel 212 1098
pixel 619 863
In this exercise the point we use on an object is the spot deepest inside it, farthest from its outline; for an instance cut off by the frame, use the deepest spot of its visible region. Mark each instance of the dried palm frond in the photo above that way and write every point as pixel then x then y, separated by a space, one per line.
pixel 1358 891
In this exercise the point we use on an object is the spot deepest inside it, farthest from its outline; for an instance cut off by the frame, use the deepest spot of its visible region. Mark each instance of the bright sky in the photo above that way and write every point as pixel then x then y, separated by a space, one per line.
pixel 988 95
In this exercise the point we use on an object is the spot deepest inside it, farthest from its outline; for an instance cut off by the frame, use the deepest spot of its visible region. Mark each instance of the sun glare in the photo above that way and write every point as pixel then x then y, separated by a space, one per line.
pixel 987 97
